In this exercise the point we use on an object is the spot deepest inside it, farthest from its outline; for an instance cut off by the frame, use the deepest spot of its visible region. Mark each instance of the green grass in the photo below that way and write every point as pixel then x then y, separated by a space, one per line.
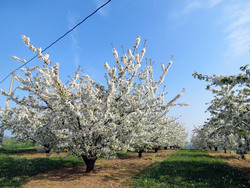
pixel 191 168
pixel 14 171
pixel 185 168
pixel 12 143
pixel 121 154
pixel 12 146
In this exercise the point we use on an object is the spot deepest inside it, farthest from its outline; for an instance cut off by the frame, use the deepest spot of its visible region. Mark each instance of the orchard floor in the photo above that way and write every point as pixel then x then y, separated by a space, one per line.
pixel 234 160
pixel 107 173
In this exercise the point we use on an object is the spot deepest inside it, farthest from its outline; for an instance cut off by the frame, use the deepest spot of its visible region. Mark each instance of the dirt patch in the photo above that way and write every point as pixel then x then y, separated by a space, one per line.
pixel 234 161
pixel 35 154
pixel 107 173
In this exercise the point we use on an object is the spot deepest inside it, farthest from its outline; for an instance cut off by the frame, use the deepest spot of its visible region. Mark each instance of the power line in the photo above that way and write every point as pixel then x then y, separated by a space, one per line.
pixel 57 39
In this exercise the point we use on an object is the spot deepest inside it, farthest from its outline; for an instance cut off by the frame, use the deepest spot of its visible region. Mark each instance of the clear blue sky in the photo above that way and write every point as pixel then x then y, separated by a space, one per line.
pixel 209 36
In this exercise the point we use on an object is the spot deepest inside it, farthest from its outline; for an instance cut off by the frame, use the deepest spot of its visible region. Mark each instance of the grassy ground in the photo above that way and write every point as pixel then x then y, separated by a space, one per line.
pixel 20 165
pixel 191 168
pixel 15 170
pixel 12 146
pixel 234 161
pixel 108 173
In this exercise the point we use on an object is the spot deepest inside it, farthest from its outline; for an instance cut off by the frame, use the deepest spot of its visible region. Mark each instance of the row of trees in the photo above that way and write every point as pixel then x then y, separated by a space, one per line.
pixel 229 124
pixel 92 120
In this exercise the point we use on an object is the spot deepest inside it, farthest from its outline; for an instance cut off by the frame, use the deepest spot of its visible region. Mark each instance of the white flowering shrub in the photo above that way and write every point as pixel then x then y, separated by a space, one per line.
pixel 88 119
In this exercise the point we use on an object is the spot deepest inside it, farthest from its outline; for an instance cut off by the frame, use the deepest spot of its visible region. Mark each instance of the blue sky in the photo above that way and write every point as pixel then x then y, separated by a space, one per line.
pixel 209 36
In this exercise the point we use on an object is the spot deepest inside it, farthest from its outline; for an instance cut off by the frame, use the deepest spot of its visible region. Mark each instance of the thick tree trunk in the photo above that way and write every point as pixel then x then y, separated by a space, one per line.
pixel 215 148
pixel 166 148
pixel 210 147
pixel 90 163
pixel 225 150
pixel 140 153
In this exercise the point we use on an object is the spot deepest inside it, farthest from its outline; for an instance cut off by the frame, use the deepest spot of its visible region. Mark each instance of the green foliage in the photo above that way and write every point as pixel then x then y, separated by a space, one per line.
pixel 191 168
pixel 245 68
pixel 201 76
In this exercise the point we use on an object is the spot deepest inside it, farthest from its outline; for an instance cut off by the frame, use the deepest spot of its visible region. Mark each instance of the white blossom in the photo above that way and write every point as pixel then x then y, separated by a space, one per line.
pixel 23 61
pixel 15 58
pixel 26 40
pixel 90 119
pixel 32 48
pixel 115 54
pixel 137 42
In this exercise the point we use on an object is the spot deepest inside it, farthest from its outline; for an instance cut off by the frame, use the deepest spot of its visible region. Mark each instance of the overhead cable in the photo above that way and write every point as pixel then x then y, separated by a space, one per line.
pixel 57 39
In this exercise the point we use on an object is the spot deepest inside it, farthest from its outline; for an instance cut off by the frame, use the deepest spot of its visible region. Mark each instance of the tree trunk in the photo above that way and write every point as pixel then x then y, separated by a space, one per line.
pixel 47 150
pixel 225 150
pixel 242 156
pixel 210 147
pixel 140 153
pixel 1 136
pixel 90 163
pixel 166 148
pixel 215 148
pixel 156 149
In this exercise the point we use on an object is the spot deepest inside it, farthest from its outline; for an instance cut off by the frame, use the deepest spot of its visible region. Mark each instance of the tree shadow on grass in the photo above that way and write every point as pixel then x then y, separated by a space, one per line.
pixel 206 172
pixel 228 157
pixel 17 151
pixel 195 153
pixel 15 171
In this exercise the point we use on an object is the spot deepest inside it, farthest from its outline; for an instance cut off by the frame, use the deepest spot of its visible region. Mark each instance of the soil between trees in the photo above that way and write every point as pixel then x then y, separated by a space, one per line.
pixel 107 173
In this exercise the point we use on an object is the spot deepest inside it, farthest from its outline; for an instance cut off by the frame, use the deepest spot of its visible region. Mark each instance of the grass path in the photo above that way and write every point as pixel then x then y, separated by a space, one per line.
pixel 191 168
